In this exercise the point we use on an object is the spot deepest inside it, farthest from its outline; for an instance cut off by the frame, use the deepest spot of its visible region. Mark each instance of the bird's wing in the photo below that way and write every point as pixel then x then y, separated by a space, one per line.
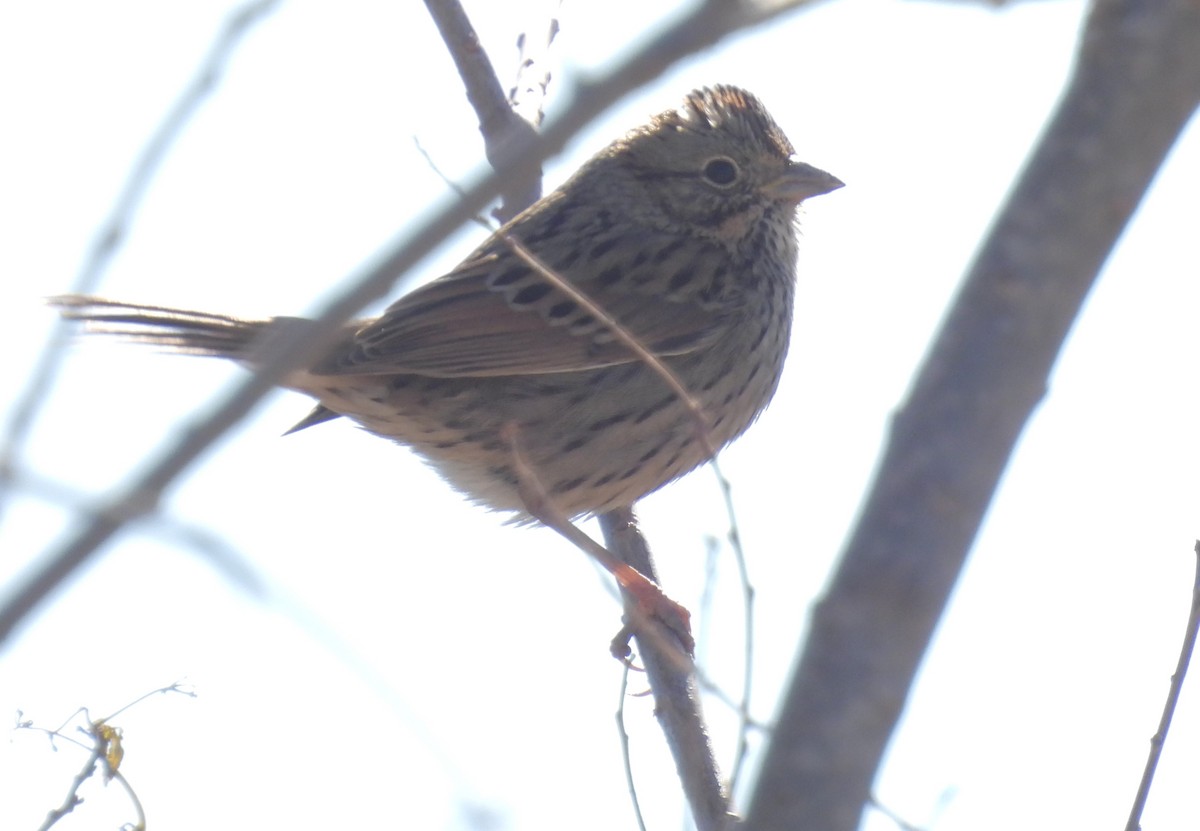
pixel 496 315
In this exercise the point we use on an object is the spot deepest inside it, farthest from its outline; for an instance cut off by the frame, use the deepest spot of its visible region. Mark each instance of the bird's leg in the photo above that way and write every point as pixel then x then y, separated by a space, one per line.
pixel 649 602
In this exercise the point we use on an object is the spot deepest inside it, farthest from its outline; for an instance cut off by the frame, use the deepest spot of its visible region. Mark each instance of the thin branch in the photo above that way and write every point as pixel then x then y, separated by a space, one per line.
pixel 113 232
pixel 1138 65
pixel 742 750
pixel 676 699
pixel 175 687
pixel 1159 741
pixel 503 130
pixel 626 757
pixel 479 219
pixel 105 748
pixel 72 798
pixel 900 822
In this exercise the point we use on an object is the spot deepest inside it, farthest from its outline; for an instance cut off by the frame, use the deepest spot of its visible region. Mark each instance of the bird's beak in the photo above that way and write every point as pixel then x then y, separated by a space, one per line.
pixel 802 181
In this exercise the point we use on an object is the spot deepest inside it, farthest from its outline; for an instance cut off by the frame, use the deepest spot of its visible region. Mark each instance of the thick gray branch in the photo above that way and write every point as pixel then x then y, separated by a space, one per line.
pixel 1136 84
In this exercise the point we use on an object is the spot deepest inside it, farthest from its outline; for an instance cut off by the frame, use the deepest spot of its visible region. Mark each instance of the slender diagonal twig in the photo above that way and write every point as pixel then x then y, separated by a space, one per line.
pixel 1159 741
pixel 900 822
pixel 479 219
pixel 742 750
pixel 626 757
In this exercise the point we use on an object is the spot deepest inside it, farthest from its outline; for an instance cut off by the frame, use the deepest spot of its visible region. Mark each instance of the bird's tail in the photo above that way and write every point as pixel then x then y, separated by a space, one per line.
pixel 183 331
pixel 172 330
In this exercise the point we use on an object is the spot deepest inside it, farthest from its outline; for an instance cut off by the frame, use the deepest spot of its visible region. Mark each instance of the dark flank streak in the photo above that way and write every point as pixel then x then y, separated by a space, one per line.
pixel 531 294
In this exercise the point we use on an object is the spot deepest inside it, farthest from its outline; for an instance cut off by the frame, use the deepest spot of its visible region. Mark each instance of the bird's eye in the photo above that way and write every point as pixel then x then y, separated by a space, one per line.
pixel 721 171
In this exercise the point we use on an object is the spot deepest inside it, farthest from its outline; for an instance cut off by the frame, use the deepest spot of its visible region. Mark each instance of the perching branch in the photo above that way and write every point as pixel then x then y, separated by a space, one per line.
pixel 676 697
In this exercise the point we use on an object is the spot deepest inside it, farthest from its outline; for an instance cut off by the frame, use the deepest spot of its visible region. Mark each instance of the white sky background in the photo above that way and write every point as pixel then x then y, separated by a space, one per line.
pixel 420 660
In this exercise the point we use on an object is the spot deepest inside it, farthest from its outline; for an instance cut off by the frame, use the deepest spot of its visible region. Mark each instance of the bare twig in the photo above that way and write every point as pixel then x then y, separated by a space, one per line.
pixel 741 751
pixel 105 751
pixel 986 371
pixel 177 687
pixel 1164 725
pixel 741 706
pixel 528 93
pixel 116 227
pixel 72 799
pixel 901 823
pixel 479 219
pixel 623 735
